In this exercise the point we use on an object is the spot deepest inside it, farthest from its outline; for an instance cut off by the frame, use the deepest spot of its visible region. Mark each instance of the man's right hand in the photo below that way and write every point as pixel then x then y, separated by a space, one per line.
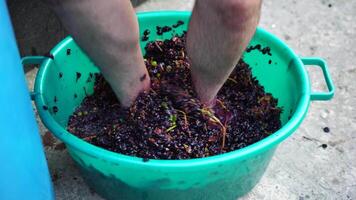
pixel 108 32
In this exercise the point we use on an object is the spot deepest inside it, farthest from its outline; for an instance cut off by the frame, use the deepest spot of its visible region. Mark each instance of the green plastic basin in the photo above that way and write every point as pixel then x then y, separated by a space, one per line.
pixel 226 176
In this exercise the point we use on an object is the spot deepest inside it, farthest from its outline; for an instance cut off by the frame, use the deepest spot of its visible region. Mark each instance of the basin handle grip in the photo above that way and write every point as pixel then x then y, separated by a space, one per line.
pixel 27 60
pixel 319 62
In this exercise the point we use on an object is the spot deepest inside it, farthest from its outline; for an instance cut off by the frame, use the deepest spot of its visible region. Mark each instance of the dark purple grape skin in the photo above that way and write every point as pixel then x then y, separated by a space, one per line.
pixel 168 121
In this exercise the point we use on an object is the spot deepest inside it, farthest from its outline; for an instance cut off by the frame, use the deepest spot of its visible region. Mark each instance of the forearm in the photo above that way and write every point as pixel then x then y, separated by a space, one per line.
pixel 218 34
pixel 108 32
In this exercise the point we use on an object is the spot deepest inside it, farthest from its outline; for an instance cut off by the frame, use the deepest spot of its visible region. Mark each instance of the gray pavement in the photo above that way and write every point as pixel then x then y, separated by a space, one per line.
pixel 300 169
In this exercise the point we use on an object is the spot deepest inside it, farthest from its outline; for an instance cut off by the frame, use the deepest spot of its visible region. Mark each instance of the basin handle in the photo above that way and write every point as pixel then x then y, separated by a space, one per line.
pixel 319 62
pixel 27 60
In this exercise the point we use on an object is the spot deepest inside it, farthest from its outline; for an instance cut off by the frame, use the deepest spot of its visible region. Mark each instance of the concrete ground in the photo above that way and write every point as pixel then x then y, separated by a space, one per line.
pixel 301 168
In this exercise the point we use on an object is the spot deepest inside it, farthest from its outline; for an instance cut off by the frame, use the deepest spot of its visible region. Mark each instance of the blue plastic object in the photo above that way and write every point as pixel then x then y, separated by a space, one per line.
pixel 23 169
